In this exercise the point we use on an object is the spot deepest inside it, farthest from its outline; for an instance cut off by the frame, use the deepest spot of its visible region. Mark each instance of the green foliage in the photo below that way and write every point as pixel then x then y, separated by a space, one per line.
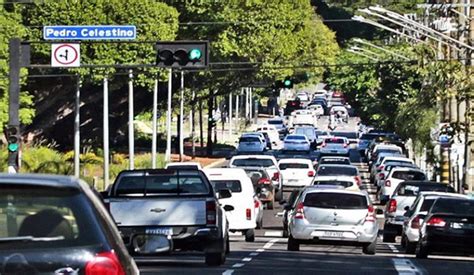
pixel 44 160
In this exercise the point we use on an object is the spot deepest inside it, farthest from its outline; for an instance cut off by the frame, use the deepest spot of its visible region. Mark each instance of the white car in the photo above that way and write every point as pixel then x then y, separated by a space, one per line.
pixel 321 93
pixel 296 143
pixel 251 143
pixel 303 96
pixel 242 218
pixel 296 172
pixel 341 111
pixel 335 146
pixel 272 133
pixel 317 108
pixel 349 183
pixel 185 165
pixel 303 117
pixel 269 163
pixel 321 136
pixel 394 178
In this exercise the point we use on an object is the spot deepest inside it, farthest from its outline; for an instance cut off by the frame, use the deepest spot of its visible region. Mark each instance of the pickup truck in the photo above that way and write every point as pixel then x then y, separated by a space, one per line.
pixel 162 210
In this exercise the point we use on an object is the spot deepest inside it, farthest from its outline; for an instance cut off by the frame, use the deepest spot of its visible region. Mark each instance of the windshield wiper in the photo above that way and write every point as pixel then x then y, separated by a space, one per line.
pixel 31 239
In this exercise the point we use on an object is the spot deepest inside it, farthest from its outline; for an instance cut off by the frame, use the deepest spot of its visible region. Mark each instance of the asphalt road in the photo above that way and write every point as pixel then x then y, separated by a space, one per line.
pixel 268 254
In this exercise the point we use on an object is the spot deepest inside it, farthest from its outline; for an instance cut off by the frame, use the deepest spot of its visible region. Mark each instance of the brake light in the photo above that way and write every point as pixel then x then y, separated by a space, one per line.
pixel 248 214
pixel 388 183
pixel 345 145
pixel 310 173
pixel 415 223
pixel 358 180
pixel 370 214
pixel 299 211
pixel 392 205
pixel 380 168
pixel 435 221
pixel 210 212
pixel 105 263
pixel 382 176
pixel 323 145
pixel 264 181
pixel 256 203
pixel 276 176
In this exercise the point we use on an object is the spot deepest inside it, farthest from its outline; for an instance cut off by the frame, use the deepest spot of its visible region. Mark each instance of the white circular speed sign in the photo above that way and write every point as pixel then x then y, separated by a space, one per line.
pixel 65 55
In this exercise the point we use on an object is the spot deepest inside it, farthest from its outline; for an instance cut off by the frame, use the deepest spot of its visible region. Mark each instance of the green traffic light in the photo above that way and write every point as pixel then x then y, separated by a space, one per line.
pixel 195 54
pixel 13 147
pixel 287 82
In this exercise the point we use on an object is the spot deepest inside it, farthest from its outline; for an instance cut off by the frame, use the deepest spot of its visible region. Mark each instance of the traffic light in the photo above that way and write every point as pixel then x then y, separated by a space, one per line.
pixel 13 137
pixel 212 122
pixel 286 83
pixel 178 54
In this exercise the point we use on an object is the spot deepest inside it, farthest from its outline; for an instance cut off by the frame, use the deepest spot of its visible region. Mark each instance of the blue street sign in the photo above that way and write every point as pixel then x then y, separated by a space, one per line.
pixel 89 32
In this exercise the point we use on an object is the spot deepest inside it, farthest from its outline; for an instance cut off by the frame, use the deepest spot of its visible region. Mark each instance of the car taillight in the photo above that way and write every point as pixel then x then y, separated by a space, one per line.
pixel 345 145
pixel 392 205
pixel 380 168
pixel 358 180
pixel 310 173
pixel 388 183
pixel 370 214
pixel 256 203
pixel 299 211
pixel 210 212
pixel 105 263
pixel 264 181
pixel 248 213
pixel 323 145
pixel 415 223
pixel 276 176
pixel 435 221
pixel 382 176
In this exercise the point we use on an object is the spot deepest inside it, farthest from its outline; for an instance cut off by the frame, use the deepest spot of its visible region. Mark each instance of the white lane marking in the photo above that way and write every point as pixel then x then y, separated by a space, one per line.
pixel 405 267
pixel 228 272
pixel 393 248
pixel 246 259
pixel 253 254
pixel 273 234
pixel 260 250
pixel 238 265
pixel 270 243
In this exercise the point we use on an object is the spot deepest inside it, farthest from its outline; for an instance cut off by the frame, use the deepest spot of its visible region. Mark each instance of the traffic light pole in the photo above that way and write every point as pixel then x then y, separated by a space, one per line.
pixel 155 117
pixel 14 99
pixel 181 115
pixel 131 131
pixel 168 118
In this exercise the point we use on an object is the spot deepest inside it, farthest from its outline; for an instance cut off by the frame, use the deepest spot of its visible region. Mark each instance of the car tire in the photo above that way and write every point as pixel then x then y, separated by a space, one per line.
pixel 410 247
pixel 293 244
pixel 421 251
pixel 227 246
pixel 217 258
pixel 250 235
pixel 285 233
pixel 370 248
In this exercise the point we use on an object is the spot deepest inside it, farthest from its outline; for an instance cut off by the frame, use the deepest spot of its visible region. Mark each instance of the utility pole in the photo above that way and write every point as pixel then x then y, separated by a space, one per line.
pixel 14 105
pixel 77 127
pixel 193 126
pixel 469 150
pixel 155 117
pixel 106 131
pixel 230 115
pixel 210 106
pixel 181 115
pixel 131 131
pixel 168 119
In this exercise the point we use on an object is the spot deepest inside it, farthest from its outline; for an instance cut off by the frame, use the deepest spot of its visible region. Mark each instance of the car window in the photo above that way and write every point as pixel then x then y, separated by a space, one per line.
pixel 335 201
pixel 253 162
pixel 334 161
pixel 249 139
pixel 295 137
pixel 232 185
pixel 334 141
pixel 284 166
pixel 369 136
pixel 307 132
pixel 64 215
pixel 453 206
pixel 345 184
pixel 415 189
pixel 336 170
pixel 409 175
pixel 275 122
pixel 427 203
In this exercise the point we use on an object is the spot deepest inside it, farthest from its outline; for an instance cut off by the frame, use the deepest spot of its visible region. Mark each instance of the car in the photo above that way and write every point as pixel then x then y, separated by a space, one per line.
pixel 180 165
pixel 340 112
pixel 448 228
pixel 364 141
pixel 242 218
pixel 287 207
pixel 272 133
pixel 258 207
pixel 303 117
pixel 349 183
pixel 415 215
pixel 377 166
pixel 57 225
pixel 335 146
pixel 334 160
pixel 351 136
pixel 339 170
pixel 383 149
pixel 263 187
pixel 296 172
pixel 279 125
pixel 292 105
pixel 321 93
pixel 395 177
pixel 317 108
pixel 269 163
pixel 321 136
pixel 309 132
pixel 388 166
pixel 333 215
pixel 303 96
pixel 295 142
pixel 404 195
pixel 251 144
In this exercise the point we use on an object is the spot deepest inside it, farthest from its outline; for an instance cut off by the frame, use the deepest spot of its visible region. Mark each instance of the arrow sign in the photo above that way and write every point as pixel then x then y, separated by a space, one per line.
pixel 65 55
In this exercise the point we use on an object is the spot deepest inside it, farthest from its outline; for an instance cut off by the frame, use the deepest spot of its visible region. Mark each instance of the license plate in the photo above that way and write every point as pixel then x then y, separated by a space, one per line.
pixel 292 180
pixel 333 234
pixel 159 231
pixel 460 225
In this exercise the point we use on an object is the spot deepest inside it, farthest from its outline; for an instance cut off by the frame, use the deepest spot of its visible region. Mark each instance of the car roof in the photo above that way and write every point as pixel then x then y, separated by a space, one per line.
pixel 334 157
pixel 434 194
pixel 41 180
pixel 187 163
pixel 294 160
pixel 334 178
pixel 395 158
pixel 339 191
pixel 253 157
pixel 229 173
pixel 407 169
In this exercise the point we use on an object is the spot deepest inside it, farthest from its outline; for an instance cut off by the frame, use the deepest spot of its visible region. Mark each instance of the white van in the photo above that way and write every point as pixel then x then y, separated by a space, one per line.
pixel 272 133
pixel 243 217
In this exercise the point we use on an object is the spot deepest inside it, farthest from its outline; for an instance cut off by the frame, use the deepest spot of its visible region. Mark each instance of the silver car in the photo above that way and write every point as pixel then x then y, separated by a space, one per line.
pixel 331 215
pixel 296 143
pixel 335 146
pixel 251 144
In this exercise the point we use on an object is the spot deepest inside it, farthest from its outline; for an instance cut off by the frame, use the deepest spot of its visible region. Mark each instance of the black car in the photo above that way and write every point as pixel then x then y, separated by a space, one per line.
pixel 292 105
pixel 57 225
pixel 448 228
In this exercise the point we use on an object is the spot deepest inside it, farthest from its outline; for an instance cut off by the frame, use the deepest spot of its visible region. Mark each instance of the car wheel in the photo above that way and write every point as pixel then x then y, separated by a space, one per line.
pixel 250 235
pixel 421 251
pixel 410 247
pixel 370 247
pixel 216 259
pixel 285 233
pixel 293 244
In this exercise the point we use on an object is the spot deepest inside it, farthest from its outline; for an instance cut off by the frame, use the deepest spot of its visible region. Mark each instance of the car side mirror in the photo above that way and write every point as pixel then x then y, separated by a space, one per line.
pixel 104 194
pixel 224 194
pixel 379 211
pixel 406 208
pixel 228 207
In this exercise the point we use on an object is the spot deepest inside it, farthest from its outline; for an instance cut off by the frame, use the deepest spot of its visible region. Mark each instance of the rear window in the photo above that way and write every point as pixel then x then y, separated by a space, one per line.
pixel 249 139
pixel 453 206
pixel 352 135
pixel 178 182
pixel 426 205
pixel 63 215
pixel 415 189
pixel 284 166
pixel 305 131
pixel 253 162
pixel 409 175
pixel 335 201
pixel 345 184
pixel 275 122
pixel 295 137
pixel 232 185
pixel 334 161
pixel 334 140
pixel 322 133
pixel 336 170
pixel 369 136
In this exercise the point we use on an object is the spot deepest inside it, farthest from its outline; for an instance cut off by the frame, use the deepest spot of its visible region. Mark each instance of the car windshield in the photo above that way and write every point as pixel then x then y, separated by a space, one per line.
pixel 322 133
pixel 45 217
pixel 409 175
pixel 232 185
pixel 295 137
pixel 343 170
pixel 345 184
pixel 249 139
pixel 415 189
pixel 453 206
pixel 253 162
pixel 335 201
pixel 275 122
pixel 284 166
pixel 369 136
